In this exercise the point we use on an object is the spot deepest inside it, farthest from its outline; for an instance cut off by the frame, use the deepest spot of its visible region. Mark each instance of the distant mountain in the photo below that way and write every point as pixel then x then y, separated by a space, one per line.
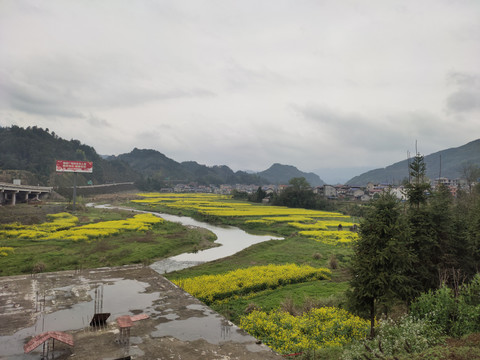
pixel 452 161
pixel 33 151
pixel 154 164
pixel 281 174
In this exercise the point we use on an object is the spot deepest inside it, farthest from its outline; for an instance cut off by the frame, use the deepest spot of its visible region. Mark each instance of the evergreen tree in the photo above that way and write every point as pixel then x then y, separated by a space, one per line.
pixel 381 260
pixel 471 227
pixel 423 241
pixel 258 196
pixel 440 210
pixel 298 195
pixel 418 186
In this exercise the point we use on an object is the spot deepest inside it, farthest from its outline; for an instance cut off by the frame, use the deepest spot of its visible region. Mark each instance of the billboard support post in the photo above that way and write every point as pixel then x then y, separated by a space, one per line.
pixel 74 190
pixel 75 167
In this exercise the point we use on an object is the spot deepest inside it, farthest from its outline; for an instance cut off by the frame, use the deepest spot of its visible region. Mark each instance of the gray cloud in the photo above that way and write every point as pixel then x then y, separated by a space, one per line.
pixel 214 81
pixel 466 96
pixel 464 101
pixel 63 100
pixel 97 122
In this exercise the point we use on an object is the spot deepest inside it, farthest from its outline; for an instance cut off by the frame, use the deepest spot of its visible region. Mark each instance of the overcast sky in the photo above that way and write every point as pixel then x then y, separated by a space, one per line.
pixel 341 85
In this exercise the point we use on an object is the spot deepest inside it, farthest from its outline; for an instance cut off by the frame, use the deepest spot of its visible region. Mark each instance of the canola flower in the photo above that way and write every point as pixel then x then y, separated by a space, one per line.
pixel 4 250
pixel 219 205
pixel 63 226
pixel 314 224
pixel 319 328
pixel 211 288
pixel 331 237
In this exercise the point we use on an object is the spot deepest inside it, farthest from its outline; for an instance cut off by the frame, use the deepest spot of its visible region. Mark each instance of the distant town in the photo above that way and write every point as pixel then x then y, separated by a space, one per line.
pixel 339 191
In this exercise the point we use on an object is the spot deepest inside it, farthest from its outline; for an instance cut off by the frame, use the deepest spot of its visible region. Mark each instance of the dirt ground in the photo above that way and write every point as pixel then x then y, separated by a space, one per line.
pixel 27 214
pixel 178 327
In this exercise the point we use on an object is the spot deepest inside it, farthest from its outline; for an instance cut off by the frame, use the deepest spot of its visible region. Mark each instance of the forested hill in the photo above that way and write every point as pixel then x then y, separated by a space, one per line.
pixel 281 174
pixel 452 160
pixel 35 150
pixel 156 168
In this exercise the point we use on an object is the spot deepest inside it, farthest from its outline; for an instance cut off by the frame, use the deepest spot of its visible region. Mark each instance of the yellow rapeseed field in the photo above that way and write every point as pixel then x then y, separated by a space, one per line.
pixel 210 288
pixel 314 224
pixel 319 328
pixel 64 226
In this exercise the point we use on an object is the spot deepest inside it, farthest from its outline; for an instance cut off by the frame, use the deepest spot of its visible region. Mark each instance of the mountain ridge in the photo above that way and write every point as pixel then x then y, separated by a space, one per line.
pixel 35 150
pixel 281 174
pixel 447 163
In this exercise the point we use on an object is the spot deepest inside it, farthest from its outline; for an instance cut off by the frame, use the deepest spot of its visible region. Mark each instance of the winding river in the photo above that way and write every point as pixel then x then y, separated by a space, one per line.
pixel 231 240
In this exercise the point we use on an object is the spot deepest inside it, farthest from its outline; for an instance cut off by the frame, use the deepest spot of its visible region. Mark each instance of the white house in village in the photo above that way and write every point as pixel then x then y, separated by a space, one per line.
pixel 398 192
pixel 327 191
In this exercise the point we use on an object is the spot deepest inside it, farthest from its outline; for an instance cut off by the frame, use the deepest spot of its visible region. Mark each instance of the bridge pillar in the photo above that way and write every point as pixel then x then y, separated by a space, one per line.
pixel 2 197
pixel 14 197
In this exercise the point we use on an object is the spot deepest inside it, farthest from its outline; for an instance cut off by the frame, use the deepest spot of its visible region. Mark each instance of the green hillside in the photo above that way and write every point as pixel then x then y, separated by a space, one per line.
pixel 36 150
pixel 281 174
pixel 452 162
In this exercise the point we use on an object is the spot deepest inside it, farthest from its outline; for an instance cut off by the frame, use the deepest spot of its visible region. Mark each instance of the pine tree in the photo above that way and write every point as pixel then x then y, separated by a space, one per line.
pixel 423 242
pixel 381 261
pixel 417 188
pixel 440 208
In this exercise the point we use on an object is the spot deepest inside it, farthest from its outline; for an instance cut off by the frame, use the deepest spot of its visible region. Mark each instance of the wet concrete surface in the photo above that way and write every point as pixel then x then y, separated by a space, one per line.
pixel 179 326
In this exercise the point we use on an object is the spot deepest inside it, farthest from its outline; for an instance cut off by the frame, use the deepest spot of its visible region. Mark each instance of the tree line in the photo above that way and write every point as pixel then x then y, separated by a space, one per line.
pixel 409 248
pixel 298 194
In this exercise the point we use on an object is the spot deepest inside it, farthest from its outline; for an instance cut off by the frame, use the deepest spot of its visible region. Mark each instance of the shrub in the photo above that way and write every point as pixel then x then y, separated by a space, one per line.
pixel 407 336
pixel 288 306
pixel 39 267
pixel 333 262
pixel 250 308
pixel 437 306
pixel 454 316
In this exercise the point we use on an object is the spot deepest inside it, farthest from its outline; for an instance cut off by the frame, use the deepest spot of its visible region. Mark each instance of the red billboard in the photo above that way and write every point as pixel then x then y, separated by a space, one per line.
pixel 74 166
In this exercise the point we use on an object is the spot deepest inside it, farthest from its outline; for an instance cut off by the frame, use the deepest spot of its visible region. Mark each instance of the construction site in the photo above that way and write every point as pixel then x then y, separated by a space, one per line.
pixel 128 312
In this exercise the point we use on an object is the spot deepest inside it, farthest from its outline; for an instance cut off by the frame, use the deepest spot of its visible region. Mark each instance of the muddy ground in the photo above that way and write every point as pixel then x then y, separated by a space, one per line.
pixel 27 214
pixel 178 327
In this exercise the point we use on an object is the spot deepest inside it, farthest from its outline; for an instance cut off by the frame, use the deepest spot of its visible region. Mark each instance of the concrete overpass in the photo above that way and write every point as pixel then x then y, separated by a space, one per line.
pixel 11 193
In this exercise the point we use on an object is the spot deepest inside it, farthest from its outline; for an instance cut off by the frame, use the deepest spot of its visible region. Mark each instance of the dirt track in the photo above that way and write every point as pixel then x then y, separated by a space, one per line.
pixel 179 326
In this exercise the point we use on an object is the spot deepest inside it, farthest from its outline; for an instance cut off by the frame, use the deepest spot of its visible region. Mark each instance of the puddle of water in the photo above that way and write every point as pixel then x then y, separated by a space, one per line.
pixel 210 326
pixel 170 316
pixel 120 296
pixel 169 265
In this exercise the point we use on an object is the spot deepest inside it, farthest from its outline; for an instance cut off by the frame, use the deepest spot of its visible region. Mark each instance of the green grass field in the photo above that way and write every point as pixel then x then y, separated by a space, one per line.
pixel 164 240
